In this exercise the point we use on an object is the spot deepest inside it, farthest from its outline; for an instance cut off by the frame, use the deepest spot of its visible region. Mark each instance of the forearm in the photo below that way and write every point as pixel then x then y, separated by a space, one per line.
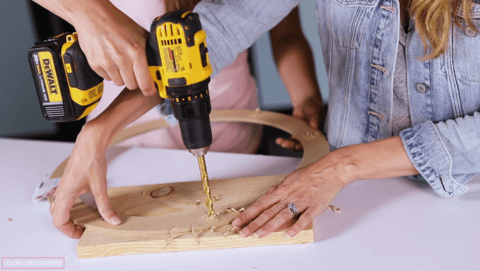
pixel 126 108
pixel 72 10
pixel 380 159
pixel 294 59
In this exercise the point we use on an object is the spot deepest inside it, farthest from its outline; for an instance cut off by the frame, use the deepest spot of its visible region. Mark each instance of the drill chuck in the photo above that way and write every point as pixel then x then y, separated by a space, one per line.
pixel 191 107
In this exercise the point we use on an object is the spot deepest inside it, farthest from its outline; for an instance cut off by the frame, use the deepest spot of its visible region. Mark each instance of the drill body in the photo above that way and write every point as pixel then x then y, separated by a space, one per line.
pixel 181 72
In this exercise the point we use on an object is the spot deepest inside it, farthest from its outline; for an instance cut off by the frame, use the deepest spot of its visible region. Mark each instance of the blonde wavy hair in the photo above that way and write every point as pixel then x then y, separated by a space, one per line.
pixel 433 19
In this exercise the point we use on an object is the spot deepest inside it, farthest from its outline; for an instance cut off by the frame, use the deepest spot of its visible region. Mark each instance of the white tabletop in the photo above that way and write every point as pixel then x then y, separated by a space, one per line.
pixel 392 224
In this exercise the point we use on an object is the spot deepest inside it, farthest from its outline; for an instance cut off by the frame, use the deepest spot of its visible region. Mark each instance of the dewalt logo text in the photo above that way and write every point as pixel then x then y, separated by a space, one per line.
pixel 50 81
pixel 50 77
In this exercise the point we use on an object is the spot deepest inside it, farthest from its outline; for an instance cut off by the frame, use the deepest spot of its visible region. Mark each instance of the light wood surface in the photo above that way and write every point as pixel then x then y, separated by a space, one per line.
pixel 177 221
pixel 172 217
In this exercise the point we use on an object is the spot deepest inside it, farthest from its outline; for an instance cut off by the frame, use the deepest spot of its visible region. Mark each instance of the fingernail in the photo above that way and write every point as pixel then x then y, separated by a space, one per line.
pixel 244 232
pixel 236 222
pixel 116 220
pixel 258 234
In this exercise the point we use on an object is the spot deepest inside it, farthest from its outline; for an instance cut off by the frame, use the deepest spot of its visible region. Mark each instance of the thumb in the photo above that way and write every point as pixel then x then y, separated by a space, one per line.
pixel 313 120
pixel 99 192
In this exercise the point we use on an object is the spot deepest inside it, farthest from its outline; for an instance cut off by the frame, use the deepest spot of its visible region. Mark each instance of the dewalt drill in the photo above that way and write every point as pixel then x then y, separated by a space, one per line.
pixel 181 74
pixel 68 89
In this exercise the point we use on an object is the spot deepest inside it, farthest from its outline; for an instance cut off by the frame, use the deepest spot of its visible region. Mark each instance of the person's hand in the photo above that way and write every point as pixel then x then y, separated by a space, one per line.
pixel 311 189
pixel 310 110
pixel 115 46
pixel 85 172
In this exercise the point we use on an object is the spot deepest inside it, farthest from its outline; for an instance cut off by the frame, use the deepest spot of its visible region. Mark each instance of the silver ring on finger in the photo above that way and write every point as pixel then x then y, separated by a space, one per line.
pixel 54 199
pixel 292 208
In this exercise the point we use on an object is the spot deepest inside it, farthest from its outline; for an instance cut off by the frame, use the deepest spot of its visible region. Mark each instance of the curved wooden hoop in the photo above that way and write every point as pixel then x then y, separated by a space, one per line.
pixel 314 144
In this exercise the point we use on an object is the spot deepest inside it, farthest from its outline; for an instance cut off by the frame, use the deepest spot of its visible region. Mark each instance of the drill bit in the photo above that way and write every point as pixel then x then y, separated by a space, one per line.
pixel 206 186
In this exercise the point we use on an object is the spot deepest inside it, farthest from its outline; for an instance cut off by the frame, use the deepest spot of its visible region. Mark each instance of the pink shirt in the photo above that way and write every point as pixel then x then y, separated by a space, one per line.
pixel 232 88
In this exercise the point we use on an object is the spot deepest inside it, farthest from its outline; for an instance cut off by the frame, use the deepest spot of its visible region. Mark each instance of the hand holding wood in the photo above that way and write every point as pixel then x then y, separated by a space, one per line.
pixel 311 189
pixel 311 111
pixel 85 172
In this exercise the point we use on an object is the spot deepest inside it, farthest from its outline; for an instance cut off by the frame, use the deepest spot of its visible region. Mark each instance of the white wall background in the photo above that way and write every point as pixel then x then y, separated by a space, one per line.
pixel 271 91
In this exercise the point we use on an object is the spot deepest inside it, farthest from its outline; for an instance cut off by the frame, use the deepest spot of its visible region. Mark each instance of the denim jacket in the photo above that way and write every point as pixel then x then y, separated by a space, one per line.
pixel 359 43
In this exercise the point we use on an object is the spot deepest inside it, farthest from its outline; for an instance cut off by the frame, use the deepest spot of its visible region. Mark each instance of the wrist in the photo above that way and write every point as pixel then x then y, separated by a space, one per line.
pixel 347 166
pixel 311 98
pixel 84 12
pixel 97 133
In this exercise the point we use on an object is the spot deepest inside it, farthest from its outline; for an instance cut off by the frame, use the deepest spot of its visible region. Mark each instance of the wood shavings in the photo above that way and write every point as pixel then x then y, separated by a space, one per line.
pixel 197 202
pixel 195 235
pixel 333 208
pixel 233 210
pixel 257 112
pixel 228 232
pixel 309 135
pixel 211 217
pixel 171 238
pixel 143 193
pixel 231 230
pixel 9 219
pixel 213 228
pixel 171 233
pixel 216 197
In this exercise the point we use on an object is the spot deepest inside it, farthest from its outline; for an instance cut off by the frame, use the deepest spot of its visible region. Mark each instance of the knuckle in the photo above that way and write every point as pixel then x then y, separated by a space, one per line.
pixel 253 226
pixel 285 214
pixel 138 50
pixel 268 228
pixel 258 205
pixel 96 66
pixel 131 85
pixel 144 85
pixel 269 213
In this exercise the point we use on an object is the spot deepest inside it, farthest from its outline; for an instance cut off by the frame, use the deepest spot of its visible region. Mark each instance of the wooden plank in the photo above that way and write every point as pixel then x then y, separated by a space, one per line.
pixel 148 221
pixel 93 244
pixel 165 223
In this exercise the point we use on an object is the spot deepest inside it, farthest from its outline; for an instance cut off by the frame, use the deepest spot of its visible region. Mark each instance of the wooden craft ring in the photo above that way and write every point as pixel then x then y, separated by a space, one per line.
pixel 313 142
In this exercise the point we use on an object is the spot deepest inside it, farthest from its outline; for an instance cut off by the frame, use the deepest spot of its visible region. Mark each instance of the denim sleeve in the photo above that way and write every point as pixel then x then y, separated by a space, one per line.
pixel 234 25
pixel 447 153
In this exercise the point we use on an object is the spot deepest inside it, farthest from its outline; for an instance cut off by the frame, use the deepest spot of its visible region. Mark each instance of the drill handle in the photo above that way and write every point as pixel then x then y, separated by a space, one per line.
pixel 155 65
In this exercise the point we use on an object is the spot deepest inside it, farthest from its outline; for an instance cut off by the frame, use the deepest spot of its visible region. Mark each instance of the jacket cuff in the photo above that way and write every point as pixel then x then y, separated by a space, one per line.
pixel 430 157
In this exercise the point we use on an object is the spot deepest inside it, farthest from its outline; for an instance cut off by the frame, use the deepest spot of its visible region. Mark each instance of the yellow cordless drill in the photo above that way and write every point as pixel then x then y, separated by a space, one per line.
pixel 181 74
pixel 68 89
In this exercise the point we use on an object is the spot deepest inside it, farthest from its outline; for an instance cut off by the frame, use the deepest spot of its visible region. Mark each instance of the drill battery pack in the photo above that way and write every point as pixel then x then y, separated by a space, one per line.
pixel 67 88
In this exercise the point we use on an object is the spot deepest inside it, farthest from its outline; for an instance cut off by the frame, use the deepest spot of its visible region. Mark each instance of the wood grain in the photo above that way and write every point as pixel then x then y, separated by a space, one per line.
pixel 172 217
pixel 165 224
